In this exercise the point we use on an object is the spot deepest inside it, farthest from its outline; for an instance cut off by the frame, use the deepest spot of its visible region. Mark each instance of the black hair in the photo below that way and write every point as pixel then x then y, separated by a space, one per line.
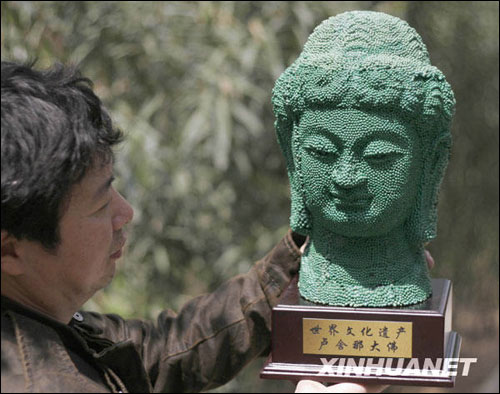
pixel 54 129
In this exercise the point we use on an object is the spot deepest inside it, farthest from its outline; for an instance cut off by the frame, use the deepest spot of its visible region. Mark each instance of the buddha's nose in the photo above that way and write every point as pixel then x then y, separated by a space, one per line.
pixel 348 176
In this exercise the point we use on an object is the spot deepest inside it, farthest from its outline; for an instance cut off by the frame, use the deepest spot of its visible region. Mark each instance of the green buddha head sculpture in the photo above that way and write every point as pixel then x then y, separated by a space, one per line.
pixel 363 120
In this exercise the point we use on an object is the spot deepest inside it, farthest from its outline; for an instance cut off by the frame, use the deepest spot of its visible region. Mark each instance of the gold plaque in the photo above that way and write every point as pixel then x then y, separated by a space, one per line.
pixel 364 338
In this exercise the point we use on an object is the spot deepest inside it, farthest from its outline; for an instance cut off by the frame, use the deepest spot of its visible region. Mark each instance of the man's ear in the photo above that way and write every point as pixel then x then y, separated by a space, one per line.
pixel 11 262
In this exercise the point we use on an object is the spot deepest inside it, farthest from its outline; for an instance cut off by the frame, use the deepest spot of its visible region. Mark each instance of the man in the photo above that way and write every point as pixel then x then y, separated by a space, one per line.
pixel 62 233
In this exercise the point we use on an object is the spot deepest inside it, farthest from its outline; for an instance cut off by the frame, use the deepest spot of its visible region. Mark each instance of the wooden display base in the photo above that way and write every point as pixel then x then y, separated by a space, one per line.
pixel 397 346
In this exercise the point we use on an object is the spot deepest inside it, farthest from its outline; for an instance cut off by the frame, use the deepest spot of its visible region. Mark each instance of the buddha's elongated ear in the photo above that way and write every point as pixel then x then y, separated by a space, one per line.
pixel 284 130
pixel 424 218
pixel 438 107
pixel 436 168
pixel 300 218
pixel 300 221
pixel 286 125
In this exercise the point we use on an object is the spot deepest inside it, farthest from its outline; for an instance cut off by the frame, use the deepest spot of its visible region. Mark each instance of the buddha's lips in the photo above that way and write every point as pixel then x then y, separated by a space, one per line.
pixel 356 199
pixel 356 202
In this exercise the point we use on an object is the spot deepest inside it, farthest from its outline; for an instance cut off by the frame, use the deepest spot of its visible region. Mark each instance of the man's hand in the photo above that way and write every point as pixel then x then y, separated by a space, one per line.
pixel 309 386
pixel 303 247
pixel 430 260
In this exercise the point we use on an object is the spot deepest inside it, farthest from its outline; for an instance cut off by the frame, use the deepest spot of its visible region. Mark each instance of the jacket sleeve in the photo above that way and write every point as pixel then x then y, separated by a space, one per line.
pixel 215 335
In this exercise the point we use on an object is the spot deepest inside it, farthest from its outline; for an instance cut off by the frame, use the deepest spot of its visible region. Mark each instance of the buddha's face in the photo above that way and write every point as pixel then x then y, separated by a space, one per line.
pixel 361 170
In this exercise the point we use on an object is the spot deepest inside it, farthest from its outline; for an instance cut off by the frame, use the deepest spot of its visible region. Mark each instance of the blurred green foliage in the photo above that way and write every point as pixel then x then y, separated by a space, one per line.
pixel 190 84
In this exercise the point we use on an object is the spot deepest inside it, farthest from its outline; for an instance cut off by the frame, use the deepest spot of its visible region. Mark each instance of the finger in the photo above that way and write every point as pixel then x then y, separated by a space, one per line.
pixel 309 386
pixel 347 388
pixel 356 388
pixel 303 247
pixel 430 260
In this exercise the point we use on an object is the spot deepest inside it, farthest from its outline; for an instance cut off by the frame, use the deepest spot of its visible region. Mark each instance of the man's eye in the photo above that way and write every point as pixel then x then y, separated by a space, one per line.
pixel 104 207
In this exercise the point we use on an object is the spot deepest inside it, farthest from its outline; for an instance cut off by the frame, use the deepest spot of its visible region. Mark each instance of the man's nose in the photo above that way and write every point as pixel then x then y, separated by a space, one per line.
pixel 123 212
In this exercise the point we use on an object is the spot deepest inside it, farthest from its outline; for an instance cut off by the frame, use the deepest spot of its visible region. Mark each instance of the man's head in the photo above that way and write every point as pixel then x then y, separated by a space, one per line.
pixel 372 66
pixel 62 220
pixel 54 129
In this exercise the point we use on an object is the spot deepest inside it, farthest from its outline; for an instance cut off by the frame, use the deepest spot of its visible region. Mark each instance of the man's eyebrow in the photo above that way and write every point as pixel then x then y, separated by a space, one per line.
pixel 103 188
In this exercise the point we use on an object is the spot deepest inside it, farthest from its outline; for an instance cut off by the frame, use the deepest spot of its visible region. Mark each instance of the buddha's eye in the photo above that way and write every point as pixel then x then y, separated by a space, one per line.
pixel 381 158
pixel 382 153
pixel 322 152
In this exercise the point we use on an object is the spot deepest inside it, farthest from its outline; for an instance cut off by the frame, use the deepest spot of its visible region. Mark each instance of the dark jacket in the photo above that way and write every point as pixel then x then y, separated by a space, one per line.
pixel 202 347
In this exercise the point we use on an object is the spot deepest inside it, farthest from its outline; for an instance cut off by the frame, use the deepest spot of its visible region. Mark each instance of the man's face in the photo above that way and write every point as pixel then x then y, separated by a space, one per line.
pixel 361 171
pixel 91 238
